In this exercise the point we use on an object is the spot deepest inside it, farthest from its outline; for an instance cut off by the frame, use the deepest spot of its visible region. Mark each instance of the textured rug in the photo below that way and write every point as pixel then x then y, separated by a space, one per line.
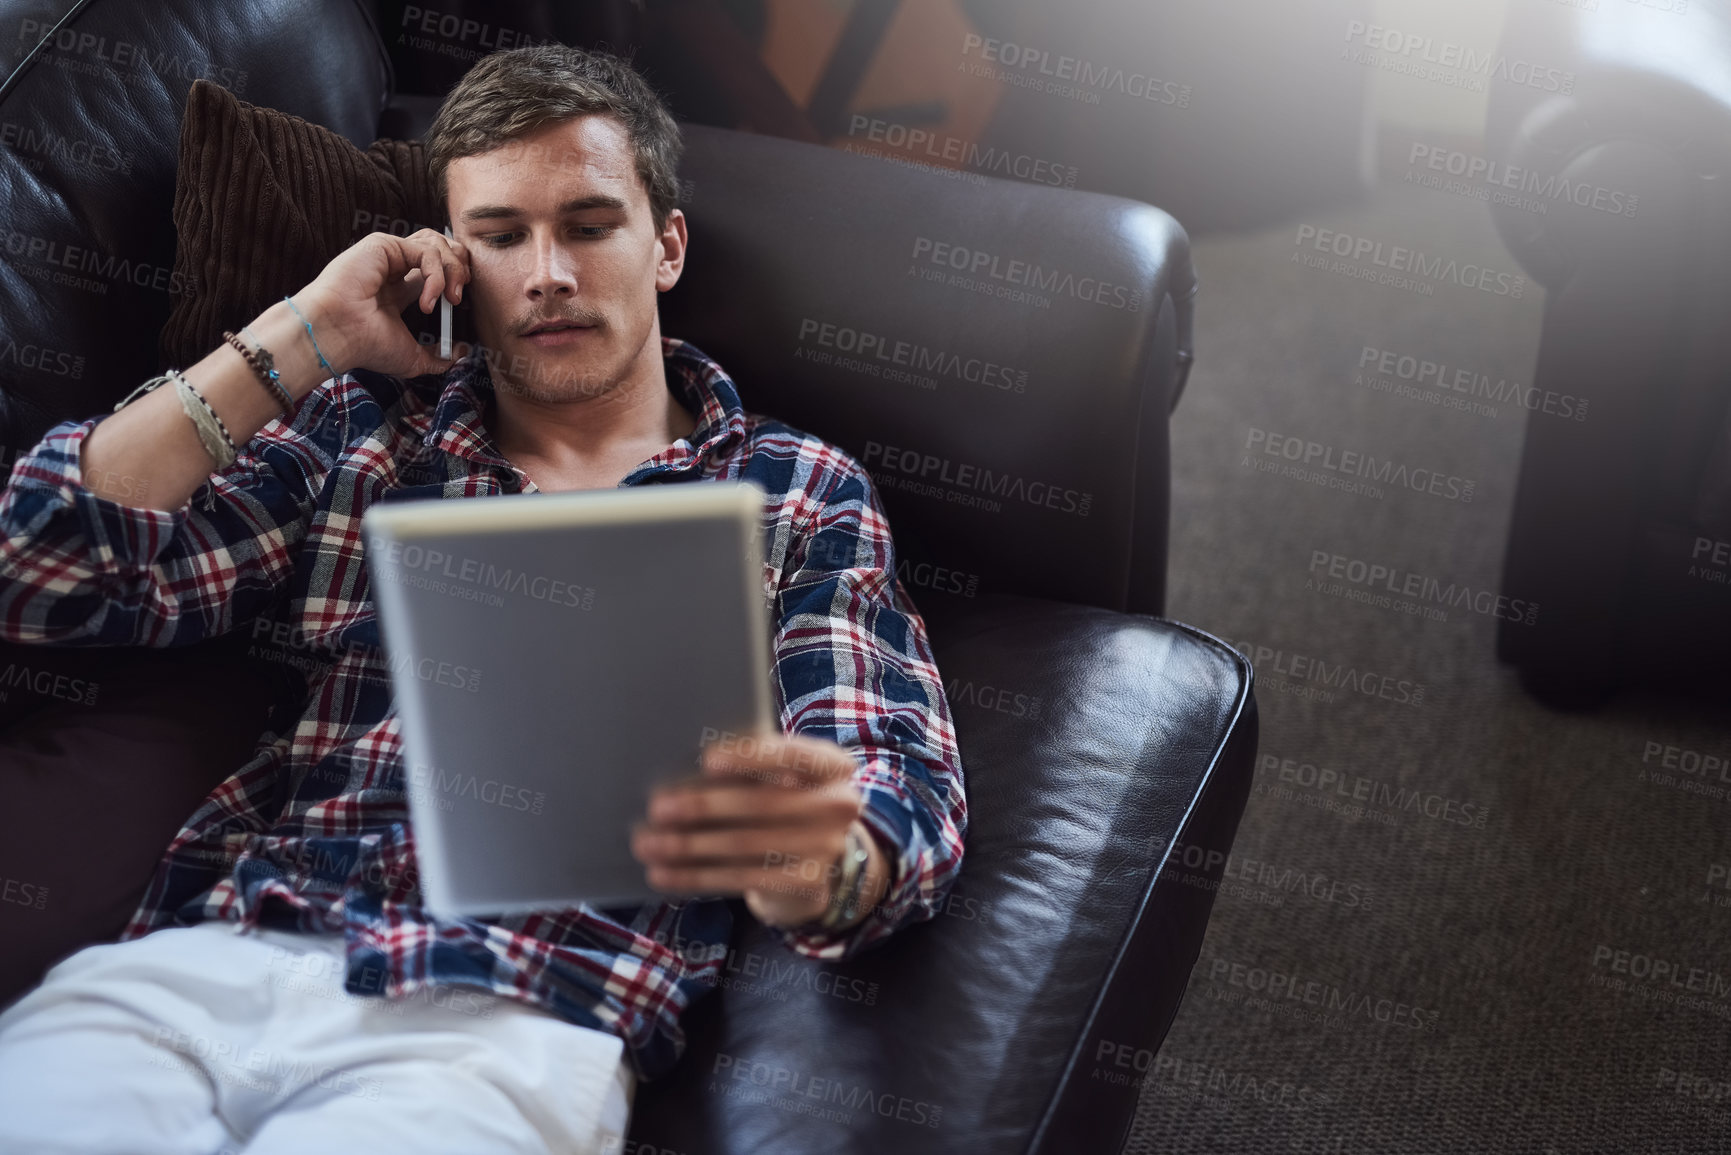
pixel 1453 920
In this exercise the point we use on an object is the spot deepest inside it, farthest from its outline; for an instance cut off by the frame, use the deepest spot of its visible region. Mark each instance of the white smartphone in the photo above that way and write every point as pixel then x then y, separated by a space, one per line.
pixel 445 314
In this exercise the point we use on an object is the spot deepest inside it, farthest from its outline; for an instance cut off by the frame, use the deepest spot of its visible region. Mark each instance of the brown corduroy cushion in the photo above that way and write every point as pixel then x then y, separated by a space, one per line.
pixel 264 200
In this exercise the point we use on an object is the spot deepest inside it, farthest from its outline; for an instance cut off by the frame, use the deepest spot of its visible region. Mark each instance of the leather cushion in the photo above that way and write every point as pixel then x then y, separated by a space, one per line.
pixel 1091 741
pixel 87 173
pixel 99 766
pixel 263 200
pixel 1001 356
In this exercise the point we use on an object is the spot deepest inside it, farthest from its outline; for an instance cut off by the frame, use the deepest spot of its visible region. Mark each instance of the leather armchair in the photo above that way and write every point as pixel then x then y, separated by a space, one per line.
pixel 1622 522
pixel 976 347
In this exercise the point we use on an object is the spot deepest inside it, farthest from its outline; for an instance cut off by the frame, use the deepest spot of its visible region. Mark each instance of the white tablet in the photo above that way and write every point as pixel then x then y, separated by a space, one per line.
pixel 553 656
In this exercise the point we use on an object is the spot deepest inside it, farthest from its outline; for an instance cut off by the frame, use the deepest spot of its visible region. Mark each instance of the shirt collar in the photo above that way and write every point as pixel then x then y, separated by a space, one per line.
pixel 458 426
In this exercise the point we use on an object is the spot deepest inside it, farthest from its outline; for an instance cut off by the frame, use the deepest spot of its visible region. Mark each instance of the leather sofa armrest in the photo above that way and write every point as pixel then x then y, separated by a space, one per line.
pixel 1625 107
pixel 1092 742
pixel 1620 205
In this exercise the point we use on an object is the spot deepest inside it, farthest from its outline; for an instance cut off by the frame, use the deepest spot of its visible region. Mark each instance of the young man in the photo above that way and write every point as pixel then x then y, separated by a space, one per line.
pixel 280 989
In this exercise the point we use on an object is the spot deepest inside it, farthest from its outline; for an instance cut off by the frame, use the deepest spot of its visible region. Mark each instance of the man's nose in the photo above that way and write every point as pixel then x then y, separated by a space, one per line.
pixel 554 274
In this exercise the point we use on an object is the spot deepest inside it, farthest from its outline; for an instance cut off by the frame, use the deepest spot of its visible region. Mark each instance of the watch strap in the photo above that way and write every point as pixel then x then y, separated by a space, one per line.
pixel 844 903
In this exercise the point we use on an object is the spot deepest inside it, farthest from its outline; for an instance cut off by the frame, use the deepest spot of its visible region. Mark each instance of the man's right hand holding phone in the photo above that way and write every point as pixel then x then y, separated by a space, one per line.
pixel 349 317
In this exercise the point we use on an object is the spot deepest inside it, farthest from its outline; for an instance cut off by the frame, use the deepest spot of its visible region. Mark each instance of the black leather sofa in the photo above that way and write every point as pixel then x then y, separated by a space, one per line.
pixel 1621 530
pixel 1095 735
pixel 1227 117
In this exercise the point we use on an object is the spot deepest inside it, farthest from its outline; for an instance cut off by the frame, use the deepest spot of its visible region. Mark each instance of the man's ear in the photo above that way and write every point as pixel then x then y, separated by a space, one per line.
pixel 672 242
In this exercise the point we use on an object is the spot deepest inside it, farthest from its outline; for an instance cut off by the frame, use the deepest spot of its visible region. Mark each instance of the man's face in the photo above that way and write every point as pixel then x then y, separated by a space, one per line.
pixel 565 258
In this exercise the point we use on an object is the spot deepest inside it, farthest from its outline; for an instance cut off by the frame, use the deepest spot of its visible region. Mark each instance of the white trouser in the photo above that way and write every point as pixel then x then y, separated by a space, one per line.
pixel 200 1041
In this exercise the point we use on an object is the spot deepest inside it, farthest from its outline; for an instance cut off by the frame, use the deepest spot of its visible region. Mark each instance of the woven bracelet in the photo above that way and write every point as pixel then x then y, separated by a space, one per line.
pixel 212 433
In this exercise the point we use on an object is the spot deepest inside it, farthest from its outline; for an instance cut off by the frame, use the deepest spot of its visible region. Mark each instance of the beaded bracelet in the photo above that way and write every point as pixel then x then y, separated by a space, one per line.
pixel 263 365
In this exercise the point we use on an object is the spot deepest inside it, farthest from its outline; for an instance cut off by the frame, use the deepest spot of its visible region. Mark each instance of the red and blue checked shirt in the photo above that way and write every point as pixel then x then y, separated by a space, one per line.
pixel 312 834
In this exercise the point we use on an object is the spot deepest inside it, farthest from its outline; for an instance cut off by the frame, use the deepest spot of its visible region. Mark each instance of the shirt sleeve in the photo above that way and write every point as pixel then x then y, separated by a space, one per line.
pixel 78 569
pixel 854 666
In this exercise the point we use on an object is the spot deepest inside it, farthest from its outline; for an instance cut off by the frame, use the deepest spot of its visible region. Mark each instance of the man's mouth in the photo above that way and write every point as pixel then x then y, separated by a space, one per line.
pixel 557 333
pixel 553 327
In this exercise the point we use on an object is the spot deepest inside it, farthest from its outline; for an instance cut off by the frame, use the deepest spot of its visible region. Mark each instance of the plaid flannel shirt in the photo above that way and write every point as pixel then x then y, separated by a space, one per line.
pixel 312 833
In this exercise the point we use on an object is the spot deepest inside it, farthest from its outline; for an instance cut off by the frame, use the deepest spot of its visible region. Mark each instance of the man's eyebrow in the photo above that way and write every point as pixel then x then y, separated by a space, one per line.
pixel 598 201
pixel 500 212
pixel 490 212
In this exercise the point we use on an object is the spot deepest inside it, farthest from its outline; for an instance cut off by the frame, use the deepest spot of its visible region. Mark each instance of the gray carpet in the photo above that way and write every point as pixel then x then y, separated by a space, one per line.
pixel 1437 986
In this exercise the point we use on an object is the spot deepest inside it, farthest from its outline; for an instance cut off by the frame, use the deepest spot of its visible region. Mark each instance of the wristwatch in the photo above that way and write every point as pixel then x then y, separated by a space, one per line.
pixel 844 903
